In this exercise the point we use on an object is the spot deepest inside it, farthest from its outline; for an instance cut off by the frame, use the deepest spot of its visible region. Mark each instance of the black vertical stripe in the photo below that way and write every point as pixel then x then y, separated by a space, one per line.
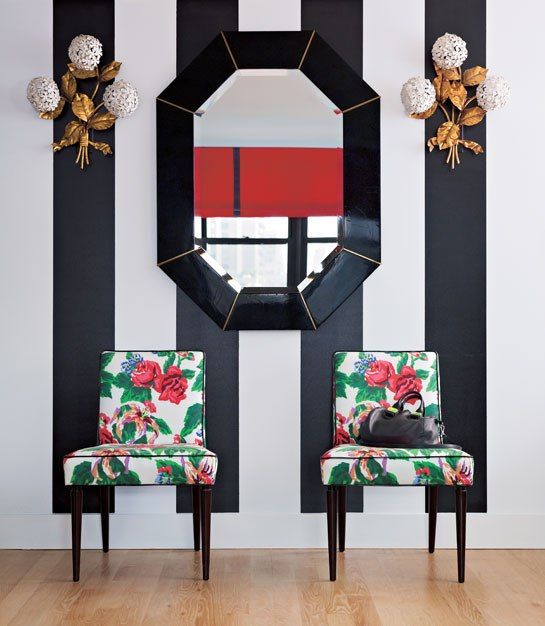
pixel 340 23
pixel 456 259
pixel 83 258
pixel 198 21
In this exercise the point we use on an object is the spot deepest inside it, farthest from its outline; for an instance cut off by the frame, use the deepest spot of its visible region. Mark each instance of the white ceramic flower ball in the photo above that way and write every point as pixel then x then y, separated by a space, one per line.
pixel 85 52
pixel 121 98
pixel 449 51
pixel 493 93
pixel 43 94
pixel 417 95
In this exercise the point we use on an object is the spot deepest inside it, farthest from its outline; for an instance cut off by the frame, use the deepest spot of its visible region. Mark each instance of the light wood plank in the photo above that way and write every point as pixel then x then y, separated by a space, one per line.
pixel 284 587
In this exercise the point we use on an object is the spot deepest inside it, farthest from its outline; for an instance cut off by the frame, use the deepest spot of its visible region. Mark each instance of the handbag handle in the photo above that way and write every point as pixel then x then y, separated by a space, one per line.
pixel 408 396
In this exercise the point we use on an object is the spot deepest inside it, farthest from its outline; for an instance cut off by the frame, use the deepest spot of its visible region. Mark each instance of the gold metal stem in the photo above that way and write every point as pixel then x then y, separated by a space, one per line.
pixel 444 111
pixel 96 86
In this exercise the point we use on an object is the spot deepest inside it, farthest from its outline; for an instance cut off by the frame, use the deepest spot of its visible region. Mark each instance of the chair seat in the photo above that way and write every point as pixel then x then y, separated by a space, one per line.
pixel 141 464
pixel 350 464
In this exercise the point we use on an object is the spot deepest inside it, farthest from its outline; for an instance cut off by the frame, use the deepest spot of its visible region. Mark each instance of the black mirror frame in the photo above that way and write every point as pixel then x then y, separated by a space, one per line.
pixel 358 254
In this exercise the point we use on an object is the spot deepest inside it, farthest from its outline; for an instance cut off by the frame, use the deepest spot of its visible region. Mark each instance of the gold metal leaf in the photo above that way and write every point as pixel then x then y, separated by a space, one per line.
pixel 69 86
pixel 447 135
pixel 453 74
pixel 472 145
pixel 437 84
pixel 81 73
pixel 109 71
pixel 102 146
pixel 474 76
pixel 82 106
pixel 102 121
pixel 425 114
pixel 444 90
pixel 72 133
pixel 432 142
pixel 472 116
pixel 51 115
pixel 457 94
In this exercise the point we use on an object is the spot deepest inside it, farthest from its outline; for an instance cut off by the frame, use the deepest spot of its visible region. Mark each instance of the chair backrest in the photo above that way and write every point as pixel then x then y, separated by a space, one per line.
pixel 365 380
pixel 151 397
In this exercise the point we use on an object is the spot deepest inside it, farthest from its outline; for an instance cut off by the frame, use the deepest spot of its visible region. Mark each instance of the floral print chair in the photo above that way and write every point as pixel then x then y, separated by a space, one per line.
pixel 150 432
pixel 362 381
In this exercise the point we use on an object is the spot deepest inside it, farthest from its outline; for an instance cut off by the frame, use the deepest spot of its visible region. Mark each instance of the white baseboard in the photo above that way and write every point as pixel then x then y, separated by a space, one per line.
pixel 245 530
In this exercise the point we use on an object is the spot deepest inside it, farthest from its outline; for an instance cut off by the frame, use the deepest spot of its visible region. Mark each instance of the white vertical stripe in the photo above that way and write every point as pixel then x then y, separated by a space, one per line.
pixel 393 51
pixel 26 248
pixel 270 362
pixel 269 15
pixel 269 466
pixel 515 261
pixel 145 41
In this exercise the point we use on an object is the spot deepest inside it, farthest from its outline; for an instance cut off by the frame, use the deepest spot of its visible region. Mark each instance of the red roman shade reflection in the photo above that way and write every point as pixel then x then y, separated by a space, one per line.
pixel 268 182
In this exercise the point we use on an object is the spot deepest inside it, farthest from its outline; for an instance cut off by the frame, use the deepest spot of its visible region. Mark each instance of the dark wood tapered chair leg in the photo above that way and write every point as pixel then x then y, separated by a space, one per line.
pixel 76 507
pixel 332 530
pixel 196 517
pixel 461 508
pixel 341 503
pixel 431 493
pixel 105 517
pixel 206 511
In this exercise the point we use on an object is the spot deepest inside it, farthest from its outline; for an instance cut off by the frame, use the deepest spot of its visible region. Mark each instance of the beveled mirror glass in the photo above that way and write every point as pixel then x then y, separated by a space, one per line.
pixel 268 172
pixel 268 176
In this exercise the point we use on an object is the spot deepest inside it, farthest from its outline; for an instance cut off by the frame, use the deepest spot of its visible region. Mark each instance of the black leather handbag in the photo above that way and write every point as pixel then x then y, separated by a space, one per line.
pixel 397 427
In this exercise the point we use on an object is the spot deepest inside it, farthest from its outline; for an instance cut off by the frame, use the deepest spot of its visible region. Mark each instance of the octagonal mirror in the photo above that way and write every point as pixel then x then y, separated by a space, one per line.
pixel 268 180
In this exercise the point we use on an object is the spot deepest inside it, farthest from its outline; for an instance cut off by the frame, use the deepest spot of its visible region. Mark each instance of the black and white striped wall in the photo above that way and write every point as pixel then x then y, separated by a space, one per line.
pixel 462 257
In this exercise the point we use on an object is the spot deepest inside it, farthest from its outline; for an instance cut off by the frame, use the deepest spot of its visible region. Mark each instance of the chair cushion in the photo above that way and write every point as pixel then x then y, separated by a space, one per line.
pixel 361 465
pixel 145 464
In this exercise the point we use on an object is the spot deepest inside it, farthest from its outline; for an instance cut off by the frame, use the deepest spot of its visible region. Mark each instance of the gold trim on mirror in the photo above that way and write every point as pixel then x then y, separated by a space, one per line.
pixel 178 256
pixel 360 104
pixel 177 106
pixel 362 256
pixel 229 50
pixel 231 311
pixel 308 311
pixel 306 49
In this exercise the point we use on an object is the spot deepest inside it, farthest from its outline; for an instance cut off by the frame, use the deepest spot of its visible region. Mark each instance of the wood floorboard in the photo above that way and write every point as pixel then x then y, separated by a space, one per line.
pixel 277 587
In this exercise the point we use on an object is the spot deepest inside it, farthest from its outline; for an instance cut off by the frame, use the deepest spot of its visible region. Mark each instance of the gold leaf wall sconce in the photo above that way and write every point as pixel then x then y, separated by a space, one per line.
pixel 119 98
pixel 463 96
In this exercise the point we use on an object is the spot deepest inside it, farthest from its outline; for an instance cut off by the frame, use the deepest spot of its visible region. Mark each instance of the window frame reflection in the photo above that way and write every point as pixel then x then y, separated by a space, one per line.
pixel 297 242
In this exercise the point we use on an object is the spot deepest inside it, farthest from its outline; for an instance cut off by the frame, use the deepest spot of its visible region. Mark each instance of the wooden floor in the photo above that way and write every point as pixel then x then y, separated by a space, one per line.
pixel 272 587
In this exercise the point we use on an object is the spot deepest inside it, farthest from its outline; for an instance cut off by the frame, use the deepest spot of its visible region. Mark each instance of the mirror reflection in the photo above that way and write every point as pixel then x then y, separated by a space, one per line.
pixel 268 177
